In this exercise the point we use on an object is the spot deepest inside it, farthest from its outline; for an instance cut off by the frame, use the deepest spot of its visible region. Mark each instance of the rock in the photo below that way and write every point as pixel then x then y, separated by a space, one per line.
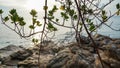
pixel 85 39
pixel 47 42
pixel 100 37
pixel 10 48
pixel 51 48
pixel 5 59
pixel 32 62
pixel 7 51
pixel 117 42
pixel 21 55
pixel 106 41
pixel 108 62
pixel 5 66
pixel 66 56
pixel 56 49
pixel 112 51
pixel 72 58
pixel 110 56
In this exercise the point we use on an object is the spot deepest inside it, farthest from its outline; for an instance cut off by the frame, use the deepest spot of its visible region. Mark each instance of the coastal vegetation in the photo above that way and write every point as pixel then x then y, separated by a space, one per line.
pixel 78 15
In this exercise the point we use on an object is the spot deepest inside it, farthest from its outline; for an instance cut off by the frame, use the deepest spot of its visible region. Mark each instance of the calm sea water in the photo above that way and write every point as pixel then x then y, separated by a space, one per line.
pixel 8 37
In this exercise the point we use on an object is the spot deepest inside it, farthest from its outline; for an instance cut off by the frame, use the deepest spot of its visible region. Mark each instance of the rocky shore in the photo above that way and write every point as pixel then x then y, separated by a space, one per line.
pixel 63 56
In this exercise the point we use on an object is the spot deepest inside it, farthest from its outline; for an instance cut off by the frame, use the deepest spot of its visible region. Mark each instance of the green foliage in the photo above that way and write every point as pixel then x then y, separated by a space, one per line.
pixel 71 12
pixel 57 20
pixel 118 9
pixel 51 27
pixel 31 27
pixel 75 17
pixel 88 20
pixel 33 13
pixel 84 9
pixel 103 12
pixel 51 17
pixel 35 40
pixel 118 6
pixel 54 8
pixel 64 15
pixel 1 11
pixel 51 12
pixel 35 22
pixel 91 24
pixel 13 15
pixel 21 21
pixel 13 12
pixel 6 18
pixel 45 7
pixel 104 16
pixel 38 23
pixel 90 11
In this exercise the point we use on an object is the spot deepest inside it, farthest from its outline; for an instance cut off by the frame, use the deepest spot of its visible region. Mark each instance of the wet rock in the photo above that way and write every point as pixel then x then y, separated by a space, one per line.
pixel 21 55
pixel 10 48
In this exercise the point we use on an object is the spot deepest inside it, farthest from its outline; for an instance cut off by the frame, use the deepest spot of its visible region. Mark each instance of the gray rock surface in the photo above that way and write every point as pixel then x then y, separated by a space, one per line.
pixel 7 51
pixel 72 58
pixel 67 56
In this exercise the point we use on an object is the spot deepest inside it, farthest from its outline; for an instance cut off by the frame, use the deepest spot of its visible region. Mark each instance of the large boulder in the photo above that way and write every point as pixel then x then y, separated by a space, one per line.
pixel 7 51
pixel 21 55
pixel 110 56
pixel 72 57
pixel 32 61
pixel 48 49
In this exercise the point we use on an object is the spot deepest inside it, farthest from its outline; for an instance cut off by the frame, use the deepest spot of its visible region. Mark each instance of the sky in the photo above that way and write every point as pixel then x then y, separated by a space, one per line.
pixel 34 4
pixel 31 4
pixel 24 6
pixel 28 4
